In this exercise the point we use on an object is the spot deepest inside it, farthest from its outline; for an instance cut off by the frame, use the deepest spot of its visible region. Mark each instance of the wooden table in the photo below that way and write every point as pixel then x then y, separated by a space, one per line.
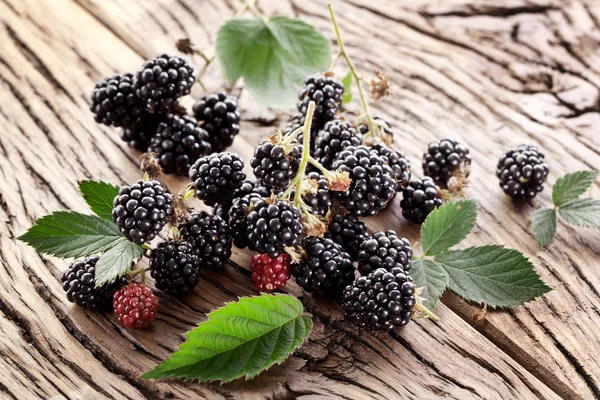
pixel 491 73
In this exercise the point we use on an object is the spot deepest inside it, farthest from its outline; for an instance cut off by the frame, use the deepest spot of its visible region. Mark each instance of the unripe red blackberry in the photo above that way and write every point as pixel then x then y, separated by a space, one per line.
pixel 326 92
pixel 135 305
pixel 273 166
pixel 138 136
pixel 333 138
pixel 443 158
pixel 420 198
pixel 220 117
pixel 384 250
pixel 522 172
pixel 216 177
pixel 175 267
pixel 346 230
pixel 210 236
pixel 114 102
pixel 270 273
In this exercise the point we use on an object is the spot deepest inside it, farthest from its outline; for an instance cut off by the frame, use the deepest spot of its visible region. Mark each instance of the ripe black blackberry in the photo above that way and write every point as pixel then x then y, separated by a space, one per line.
pixel 373 183
pixel 272 225
pixel 238 217
pixel 220 117
pixel 175 267
pixel 326 92
pixel 326 271
pixel 138 136
pixel 522 172
pixel 396 160
pixel 114 102
pixel 248 186
pixel 275 163
pixel 211 237
pixel 317 196
pixel 346 230
pixel 384 250
pixel 216 177
pixel 444 158
pixel 78 283
pixel 420 198
pixel 335 137
pixel 381 300
pixel 161 81
pixel 142 210
pixel 178 143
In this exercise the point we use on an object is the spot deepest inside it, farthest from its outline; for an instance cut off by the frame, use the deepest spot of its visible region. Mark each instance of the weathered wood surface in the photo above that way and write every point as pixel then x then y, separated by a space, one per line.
pixel 492 74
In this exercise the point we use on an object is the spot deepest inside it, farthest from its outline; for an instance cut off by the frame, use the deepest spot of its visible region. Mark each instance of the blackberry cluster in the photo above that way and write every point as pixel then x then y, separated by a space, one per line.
pixel 211 237
pixel 335 137
pixel 216 177
pixel 420 198
pixel 162 80
pixel 271 227
pixel 238 217
pixel 138 136
pixel 175 267
pixel 348 231
pixel 178 143
pixel 78 283
pixel 270 273
pixel 220 117
pixel 142 210
pixel 320 201
pixel 396 160
pixel 326 271
pixel 442 159
pixel 373 183
pixel 384 250
pixel 114 102
pixel 326 92
pixel 381 300
pixel 248 186
pixel 135 306
pixel 522 172
pixel 273 166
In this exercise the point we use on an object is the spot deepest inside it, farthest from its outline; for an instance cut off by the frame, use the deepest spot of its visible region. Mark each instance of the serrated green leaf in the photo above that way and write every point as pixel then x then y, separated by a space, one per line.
pixel 242 338
pixel 67 234
pixel 347 82
pixel 582 212
pixel 273 58
pixel 571 186
pixel 433 277
pixel 494 275
pixel 448 225
pixel 116 261
pixel 99 196
pixel 544 225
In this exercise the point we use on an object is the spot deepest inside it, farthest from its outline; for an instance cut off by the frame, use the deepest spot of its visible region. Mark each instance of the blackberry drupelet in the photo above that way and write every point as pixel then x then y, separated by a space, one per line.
pixel 381 300
pixel 384 250
pixel 420 198
pixel 396 160
pixel 135 305
pixel 138 136
pixel 272 225
pixel 178 143
pixel 238 217
pixel 270 273
pixel 211 237
pixel 162 80
pixel 248 186
pixel 326 271
pixel 273 166
pixel 373 184
pixel 335 137
pixel 326 92
pixel 114 102
pixel 346 230
pixel 175 267
pixel 522 172
pixel 443 158
pixel 142 210
pixel 220 117
pixel 78 283
pixel 216 177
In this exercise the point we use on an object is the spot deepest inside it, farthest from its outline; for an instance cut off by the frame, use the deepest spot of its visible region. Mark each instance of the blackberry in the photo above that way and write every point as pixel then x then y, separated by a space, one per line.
pixel 78 283
pixel 335 137
pixel 135 306
pixel 346 230
pixel 238 217
pixel 114 102
pixel 273 166
pixel 220 117
pixel 384 250
pixel 216 177
pixel 373 184
pixel 162 80
pixel 326 271
pixel 318 198
pixel 271 226
pixel 270 273
pixel 522 172
pixel 326 92
pixel 210 235
pixel 396 160
pixel 142 210
pixel 443 158
pixel 386 127
pixel 420 198
pixel 381 300
pixel 175 267
pixel 138 136
pixel 248 186
pixel 178 143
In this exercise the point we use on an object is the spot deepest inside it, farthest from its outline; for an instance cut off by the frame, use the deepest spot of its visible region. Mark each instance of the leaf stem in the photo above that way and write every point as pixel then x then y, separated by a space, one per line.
pixel 305 153
pixel 419 306
pixel 335 60
pixel 146 246
pixel 251 5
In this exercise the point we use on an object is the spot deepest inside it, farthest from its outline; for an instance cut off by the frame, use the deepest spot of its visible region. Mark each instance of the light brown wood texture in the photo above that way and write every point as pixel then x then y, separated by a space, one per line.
pixel 492 74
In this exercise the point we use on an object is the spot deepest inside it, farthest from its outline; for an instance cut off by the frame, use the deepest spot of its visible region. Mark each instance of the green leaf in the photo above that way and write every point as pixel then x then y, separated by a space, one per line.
pixel 544 225
pixel 347 82
pixel 571 186
pixel 273 58
pixel 67 234
pixel 116 261
pixel 99 196
pixel 582 212
pixel 448 225
pixel 432 276
pixel 242 338
pixel 494 275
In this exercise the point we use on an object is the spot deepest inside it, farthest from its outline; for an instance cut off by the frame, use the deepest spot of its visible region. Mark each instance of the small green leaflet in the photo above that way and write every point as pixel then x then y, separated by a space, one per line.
pixel 117 261
pixel 242 338
pixel 99 196
pixel 273 57
pixel 571 186
pixel 582 212
pixel 429 275
pixel 448 225
pixel 544 225
pixel 347 82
